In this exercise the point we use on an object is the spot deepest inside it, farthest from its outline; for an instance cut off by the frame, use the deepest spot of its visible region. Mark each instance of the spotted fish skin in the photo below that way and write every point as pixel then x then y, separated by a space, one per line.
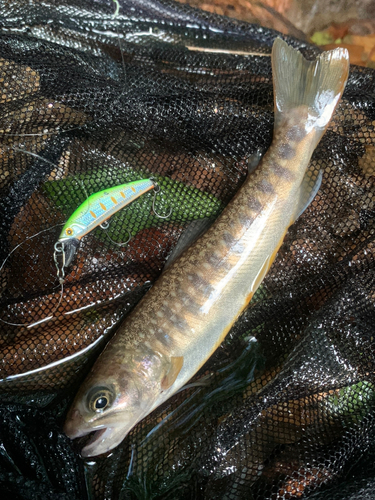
pixel 101 206
pixel 187 314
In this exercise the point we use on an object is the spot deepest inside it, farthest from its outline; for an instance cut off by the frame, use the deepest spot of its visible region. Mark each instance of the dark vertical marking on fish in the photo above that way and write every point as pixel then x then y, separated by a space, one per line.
pixel 286 151
pixel 228 239
pixel 264 186
pixel 245 219
pixel 296 133
pixel 283 172
pixel 254 205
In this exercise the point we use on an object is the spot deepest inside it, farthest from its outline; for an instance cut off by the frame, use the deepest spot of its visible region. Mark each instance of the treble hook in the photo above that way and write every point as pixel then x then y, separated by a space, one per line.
pixel 105 226
pixel 117 9
pixel 59 250
pixel 156 191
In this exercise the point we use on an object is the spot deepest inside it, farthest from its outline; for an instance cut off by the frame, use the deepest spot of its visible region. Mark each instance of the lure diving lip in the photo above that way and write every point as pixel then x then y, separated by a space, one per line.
pixel 94 212
pixel 68 248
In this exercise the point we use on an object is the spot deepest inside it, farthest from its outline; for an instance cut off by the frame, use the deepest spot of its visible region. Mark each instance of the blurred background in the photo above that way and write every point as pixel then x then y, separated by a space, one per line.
pixel 328 23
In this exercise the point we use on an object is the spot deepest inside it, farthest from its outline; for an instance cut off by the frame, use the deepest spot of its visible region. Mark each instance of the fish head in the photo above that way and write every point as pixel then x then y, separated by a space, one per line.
pixel 111 401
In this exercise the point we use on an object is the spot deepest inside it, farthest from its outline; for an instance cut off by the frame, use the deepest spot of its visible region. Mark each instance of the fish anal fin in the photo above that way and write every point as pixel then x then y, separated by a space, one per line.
pixel 264 269
pixel 309 187
pixel 262 273
pixel 175 368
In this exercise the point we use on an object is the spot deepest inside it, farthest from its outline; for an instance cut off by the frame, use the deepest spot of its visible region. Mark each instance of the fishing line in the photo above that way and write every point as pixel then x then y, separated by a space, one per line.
pixel 57 250
pixel 60 257
pixel 131 462
pixel 29 238
pixel 41 134
pixel 116 13
pixel 61 284
pixel 114 16
pixel 35 155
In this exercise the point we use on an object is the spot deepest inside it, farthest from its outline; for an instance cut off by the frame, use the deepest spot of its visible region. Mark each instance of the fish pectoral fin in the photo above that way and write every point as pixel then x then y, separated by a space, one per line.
pixel 175 368
pixel 308 190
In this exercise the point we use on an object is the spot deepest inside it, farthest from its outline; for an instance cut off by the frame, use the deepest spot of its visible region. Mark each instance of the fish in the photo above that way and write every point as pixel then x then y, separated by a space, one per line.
pixel 190 309
pixel 95 211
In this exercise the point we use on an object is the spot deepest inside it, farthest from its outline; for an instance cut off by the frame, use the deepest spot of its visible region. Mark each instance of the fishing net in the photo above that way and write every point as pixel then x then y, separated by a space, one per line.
pixel 92 98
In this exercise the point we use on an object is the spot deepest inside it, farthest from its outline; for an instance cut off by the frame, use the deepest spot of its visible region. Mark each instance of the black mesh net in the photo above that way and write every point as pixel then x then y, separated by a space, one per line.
pixel 285 407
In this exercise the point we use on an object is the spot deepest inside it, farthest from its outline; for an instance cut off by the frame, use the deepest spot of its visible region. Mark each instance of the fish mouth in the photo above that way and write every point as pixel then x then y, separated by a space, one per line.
pixel 93 438
pixel 98 441
pixel 97 437
pixel 103 441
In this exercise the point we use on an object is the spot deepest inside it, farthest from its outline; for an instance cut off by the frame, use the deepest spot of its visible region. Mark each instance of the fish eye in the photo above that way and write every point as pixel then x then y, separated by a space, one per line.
pixel 100 403
pixel 100 400
pixel 69 231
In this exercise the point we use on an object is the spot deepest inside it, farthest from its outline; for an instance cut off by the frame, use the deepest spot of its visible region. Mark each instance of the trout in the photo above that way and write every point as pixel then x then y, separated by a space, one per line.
pixel 185 316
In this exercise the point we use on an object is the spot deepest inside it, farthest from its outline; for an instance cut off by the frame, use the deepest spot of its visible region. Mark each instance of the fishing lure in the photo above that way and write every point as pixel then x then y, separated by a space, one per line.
pixel 93 212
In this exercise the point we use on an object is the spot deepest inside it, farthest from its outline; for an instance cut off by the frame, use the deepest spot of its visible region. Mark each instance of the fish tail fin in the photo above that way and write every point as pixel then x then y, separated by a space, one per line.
pixel 316 85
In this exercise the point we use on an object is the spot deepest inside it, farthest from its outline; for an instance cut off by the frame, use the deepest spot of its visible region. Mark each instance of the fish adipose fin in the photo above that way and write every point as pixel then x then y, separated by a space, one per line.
pixel 316 85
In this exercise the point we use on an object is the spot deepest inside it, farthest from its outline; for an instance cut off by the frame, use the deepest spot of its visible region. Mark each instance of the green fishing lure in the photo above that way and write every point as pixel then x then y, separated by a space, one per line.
pixel 94 212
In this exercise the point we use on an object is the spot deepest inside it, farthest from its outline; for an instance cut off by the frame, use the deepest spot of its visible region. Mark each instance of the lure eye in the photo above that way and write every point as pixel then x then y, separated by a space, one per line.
pixel 69 231
pixel 101 400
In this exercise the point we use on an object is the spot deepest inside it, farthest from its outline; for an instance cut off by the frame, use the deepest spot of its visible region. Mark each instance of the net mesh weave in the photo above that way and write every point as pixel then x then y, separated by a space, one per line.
pixel 285 407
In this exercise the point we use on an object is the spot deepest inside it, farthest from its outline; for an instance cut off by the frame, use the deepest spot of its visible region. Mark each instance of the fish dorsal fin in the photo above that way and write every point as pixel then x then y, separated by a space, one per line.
pixel 175 368
pixel 308 190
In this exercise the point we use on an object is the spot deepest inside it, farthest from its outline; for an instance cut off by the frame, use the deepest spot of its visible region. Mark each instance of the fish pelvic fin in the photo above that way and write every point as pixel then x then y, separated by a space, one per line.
pixel 175 368
pixel 317 86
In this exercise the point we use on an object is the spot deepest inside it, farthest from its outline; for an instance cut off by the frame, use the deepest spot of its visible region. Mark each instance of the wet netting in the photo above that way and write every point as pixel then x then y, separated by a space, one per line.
pixel 93 96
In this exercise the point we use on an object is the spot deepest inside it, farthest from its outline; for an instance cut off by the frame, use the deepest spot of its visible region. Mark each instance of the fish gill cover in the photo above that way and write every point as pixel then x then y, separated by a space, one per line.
pixel 91 99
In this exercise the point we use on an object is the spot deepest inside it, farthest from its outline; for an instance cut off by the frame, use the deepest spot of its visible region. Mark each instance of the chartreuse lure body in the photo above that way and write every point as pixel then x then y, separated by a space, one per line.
pixel 101 206
pixel 93 212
